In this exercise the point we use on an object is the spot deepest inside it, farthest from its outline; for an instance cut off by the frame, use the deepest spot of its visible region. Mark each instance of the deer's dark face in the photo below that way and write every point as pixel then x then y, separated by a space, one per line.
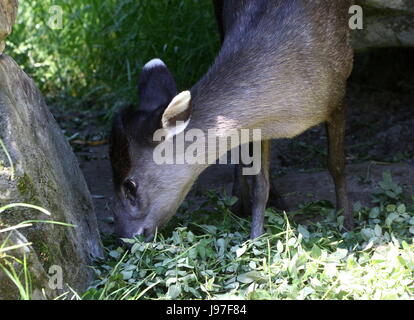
pixel 147 193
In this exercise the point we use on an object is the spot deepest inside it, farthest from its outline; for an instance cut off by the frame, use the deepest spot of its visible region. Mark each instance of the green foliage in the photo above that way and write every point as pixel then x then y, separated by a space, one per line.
pixel 20 279
pixel 94 60
pixel 16 269
pixel 206 254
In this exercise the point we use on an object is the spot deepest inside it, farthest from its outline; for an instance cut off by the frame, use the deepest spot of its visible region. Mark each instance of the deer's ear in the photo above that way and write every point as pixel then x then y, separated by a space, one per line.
pixel 156 86
pixel 177 115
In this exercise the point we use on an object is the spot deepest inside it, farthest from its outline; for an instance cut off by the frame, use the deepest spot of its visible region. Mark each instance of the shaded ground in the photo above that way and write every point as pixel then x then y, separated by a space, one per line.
pixel 380 128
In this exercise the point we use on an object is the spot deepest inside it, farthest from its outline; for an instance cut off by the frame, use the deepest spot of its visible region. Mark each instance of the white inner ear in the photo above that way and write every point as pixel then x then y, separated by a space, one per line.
pixel 173 131
pixel 179 104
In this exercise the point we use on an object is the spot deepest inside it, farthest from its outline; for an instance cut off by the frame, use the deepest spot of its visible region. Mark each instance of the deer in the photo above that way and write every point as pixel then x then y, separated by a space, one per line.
pixel 282 68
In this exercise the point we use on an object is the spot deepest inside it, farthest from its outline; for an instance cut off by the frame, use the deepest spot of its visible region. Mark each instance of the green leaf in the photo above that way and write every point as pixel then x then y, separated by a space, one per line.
pixel 401 208
pixel 126 275
pixel 331 270
pixel 257 252
pixel 291 242
pixel 307 291
pixel 378 230
pixel 129 241
pixel 190 237
pixel 221 244
pixel 391 194
pixel 174 291
pixel 367 233
pixel 114 254
pixel 241 251
pixel 390 218
pixel 231 201
pixel 405 245
pixel 385 186
pixel 340 253
pixel 210 229
pixel 357 206
pixel 249 277
pixel 170 281
pixel 280 247
pixel 369 245
pixel 316 252
pixel 135 247
pixel 176 237
pixel 303 231
pixel 292 267
pixel 391 207
pixel 374 213
pixel 202 250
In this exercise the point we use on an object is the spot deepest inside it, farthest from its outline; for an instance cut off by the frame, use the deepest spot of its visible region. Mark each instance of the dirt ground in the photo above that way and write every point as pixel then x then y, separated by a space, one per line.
pixel 380 137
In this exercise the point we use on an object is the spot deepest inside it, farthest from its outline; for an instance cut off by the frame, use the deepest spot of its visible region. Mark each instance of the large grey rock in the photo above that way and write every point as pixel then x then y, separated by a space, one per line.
pixel 387 23
pixel 8 11
pixel 46 173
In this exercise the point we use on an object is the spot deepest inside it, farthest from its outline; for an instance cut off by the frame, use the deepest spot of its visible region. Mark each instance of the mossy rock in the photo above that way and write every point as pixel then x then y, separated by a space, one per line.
pixel 43 172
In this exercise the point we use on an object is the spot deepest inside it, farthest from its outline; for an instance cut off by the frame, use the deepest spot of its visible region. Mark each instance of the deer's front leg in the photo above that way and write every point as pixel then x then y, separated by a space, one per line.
pixel 261 188
pixel 336 162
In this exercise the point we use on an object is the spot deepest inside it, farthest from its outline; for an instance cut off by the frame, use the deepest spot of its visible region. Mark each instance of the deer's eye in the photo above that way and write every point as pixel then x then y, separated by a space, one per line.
pixel 130 189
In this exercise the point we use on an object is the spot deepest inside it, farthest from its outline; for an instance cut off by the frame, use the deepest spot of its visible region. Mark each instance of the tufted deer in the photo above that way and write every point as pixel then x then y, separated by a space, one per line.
pixel 282 68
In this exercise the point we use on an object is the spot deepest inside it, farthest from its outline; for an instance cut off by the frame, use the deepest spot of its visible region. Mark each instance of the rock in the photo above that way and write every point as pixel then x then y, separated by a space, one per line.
pixel 46 173
pixel 398 5
pixel 387 23
pixel 8 11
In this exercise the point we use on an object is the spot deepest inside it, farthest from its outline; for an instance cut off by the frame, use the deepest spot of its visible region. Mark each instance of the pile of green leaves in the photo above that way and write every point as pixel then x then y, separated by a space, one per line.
pixel 212 258
pixel 95 57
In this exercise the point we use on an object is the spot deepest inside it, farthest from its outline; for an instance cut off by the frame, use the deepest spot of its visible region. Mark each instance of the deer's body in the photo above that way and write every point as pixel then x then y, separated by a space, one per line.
pixel 282 68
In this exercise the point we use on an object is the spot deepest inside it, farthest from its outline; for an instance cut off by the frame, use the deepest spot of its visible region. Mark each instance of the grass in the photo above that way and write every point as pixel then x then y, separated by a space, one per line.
pixel 93 61
pixel 205 254
pixel 16 267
